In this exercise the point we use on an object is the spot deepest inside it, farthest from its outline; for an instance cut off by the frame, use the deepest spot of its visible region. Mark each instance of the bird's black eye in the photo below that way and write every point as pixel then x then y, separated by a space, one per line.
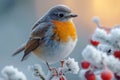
pixel 60 15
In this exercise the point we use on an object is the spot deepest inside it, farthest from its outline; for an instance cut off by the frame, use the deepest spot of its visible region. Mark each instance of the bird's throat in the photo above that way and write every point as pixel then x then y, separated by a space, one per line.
pixel 64 30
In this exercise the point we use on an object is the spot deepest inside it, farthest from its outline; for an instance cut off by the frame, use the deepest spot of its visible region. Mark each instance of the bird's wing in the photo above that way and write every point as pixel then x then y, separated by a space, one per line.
pixel 36 39
pixel 39 21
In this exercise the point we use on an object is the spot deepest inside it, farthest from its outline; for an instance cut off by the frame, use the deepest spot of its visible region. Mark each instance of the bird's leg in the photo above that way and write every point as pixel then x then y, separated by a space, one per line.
pixel 52 69
pixel 62 63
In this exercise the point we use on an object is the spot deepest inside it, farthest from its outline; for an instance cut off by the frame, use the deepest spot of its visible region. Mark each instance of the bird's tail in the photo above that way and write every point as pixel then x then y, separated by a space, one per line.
pixel 20 49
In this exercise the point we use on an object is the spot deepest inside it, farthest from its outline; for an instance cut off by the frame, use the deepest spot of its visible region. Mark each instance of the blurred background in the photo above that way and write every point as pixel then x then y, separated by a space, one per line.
pixel 18 16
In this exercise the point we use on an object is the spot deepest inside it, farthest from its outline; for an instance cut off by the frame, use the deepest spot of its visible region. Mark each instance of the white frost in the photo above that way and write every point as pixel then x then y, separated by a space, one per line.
pixel 100 35
pixel 11 73
pixel 71 65
pixel 91 54
pixel 37 71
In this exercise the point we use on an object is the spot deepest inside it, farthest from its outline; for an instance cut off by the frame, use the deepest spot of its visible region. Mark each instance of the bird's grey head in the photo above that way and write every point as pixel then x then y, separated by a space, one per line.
pixel 60 13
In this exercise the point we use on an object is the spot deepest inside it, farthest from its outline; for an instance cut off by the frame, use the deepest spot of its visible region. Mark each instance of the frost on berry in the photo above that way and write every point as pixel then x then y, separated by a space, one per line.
pixel 104 51
pixel 94 42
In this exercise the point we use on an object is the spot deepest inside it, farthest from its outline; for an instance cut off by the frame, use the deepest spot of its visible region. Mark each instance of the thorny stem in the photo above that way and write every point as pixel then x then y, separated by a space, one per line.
pixel 48 66
pixel 41 77
pixel 54 69
pixel 39 74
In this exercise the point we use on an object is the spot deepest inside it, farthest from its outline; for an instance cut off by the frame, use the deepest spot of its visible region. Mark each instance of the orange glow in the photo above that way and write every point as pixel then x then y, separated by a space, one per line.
pixel 69 2
pixel 107 10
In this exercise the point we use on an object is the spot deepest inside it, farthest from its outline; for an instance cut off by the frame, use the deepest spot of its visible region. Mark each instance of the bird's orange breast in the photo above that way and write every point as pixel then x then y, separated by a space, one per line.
pixel 64 30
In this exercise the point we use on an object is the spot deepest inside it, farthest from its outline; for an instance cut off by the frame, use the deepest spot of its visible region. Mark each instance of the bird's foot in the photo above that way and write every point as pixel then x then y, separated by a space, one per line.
pixel 55 71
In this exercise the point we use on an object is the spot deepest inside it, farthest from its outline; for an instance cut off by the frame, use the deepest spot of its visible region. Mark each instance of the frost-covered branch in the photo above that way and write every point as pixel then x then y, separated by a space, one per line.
pixel 70 66
pixel 102 55
pixel 37 71
pixel 58 73
pixel 12 73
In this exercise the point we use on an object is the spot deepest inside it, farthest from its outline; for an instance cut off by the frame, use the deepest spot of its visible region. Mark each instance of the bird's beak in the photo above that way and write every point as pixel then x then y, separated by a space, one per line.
pixel 73 15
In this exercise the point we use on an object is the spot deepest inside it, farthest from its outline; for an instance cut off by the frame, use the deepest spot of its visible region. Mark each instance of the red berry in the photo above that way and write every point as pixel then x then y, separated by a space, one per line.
pixel 89 75
pixel 117 54
pixel 94 42
pixel 117 77
pixel 106 75
pixel 62 78
pixel 85 64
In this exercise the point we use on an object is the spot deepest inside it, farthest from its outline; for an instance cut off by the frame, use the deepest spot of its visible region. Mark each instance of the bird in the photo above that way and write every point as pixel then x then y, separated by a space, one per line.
pixel 53 37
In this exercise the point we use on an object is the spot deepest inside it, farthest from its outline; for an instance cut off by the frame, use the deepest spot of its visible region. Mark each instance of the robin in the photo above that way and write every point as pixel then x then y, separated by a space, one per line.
pixel 53 37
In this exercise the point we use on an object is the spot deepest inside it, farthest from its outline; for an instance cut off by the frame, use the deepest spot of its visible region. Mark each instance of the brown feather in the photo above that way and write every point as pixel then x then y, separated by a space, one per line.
pixel 20 49
pixel 30 46
pixel 33 43
pixel 37 38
